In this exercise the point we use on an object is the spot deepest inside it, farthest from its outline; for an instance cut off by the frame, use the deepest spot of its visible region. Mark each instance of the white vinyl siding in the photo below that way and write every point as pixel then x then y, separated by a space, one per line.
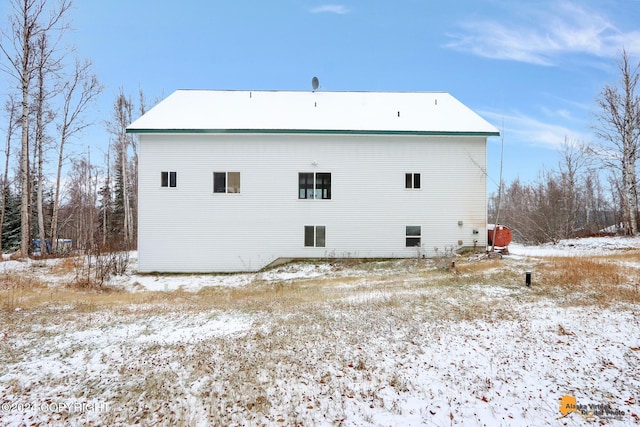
pixel 189 230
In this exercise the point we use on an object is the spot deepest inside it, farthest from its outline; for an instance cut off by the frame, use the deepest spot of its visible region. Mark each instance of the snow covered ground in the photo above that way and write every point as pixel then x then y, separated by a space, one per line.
pixel 384 343
pixel 579 247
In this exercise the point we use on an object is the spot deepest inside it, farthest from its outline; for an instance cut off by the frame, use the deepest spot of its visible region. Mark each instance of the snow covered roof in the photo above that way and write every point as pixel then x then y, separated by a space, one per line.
pixel 213 111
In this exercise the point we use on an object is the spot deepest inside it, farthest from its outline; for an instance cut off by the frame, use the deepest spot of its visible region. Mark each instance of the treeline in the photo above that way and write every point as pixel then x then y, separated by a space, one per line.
pixel 54 188
pixel 569 201
pixel 594 188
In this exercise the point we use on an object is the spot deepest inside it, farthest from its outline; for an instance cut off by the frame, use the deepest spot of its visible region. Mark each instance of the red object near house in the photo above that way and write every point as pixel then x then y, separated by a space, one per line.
pixel 502 236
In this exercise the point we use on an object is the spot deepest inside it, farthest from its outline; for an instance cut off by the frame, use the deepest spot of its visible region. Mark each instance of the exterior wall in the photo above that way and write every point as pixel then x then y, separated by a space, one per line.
pixel 192 229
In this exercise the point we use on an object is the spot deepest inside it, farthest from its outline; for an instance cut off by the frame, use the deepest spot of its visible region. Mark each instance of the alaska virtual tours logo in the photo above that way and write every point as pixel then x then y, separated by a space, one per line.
pixel 589 411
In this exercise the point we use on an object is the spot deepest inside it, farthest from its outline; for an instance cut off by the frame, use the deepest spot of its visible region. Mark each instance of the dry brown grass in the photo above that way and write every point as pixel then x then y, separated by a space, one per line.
pixel 65 266
pixel 16 288
pixel 580 272
pixel 589 280
pixel 10 280
pixel 583 280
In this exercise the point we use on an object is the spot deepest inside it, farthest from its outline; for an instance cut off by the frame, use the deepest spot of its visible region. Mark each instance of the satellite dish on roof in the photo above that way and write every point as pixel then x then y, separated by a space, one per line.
pixel 315 83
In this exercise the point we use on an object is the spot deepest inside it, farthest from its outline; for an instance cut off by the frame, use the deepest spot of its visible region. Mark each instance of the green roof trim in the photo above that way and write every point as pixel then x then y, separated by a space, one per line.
pixel 314 131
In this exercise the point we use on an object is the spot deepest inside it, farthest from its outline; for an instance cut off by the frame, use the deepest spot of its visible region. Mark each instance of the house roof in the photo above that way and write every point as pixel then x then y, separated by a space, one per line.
pixel 213 111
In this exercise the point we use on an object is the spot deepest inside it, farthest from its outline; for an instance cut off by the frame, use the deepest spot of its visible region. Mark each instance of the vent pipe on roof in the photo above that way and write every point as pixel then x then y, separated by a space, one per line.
pixel 398 113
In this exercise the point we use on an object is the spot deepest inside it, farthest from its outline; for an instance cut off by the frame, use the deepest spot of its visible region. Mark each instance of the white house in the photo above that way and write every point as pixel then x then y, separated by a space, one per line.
pixel 235 180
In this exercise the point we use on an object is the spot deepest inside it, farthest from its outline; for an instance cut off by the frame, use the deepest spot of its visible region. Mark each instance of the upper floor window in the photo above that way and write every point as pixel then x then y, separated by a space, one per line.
pixel 314 185
pixel 226 182
pixel 411 180
pixel 168 179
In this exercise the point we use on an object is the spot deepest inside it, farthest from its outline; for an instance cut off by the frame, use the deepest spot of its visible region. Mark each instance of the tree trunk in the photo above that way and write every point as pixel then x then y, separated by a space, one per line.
pixel 40 105
pixel 631 197
pixel 24 165
pixel 125 190
pixel 56 198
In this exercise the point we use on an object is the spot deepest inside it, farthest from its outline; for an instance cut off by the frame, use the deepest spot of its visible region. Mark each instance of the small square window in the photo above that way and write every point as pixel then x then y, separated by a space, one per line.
pixel 412 180
pixel 226 182
pixel 315 236
pixel 413 235
pixel 168 179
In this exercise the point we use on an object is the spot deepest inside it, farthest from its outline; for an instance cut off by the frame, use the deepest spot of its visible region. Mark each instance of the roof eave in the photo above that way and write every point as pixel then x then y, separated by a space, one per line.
pixel 313 131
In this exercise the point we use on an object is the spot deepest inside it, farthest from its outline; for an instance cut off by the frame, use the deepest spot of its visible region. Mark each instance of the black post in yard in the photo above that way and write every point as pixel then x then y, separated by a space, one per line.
pixel 527 278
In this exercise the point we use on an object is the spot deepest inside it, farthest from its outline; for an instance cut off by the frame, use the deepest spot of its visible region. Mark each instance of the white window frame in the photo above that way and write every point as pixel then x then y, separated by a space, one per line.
pixel 412 183
pixel 411 236
pixel 317 229
pixel 170 181
pixel 316 190
pixel 226 182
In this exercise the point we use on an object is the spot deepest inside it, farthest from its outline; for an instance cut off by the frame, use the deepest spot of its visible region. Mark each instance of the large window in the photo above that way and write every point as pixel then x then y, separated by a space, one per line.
pixel 314 236
pixel 168 179
pixel 314 185
pixel 411 180
pixel 413 235
pixel 226 182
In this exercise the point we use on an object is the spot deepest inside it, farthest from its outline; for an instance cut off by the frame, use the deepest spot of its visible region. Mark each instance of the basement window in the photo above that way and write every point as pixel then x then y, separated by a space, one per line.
pixel 413 235
pixel 411 180
pixel 314 185
pixel 226 182
pixel 168 179
pixel 314 236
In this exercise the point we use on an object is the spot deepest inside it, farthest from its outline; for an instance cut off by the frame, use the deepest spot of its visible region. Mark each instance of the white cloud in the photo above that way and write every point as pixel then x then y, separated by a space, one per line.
pixel 331 8
pixel 522 129
pixel 546 36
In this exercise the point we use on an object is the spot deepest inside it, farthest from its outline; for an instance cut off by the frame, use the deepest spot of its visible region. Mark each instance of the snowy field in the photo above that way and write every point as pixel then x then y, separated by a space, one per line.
pixel 380 343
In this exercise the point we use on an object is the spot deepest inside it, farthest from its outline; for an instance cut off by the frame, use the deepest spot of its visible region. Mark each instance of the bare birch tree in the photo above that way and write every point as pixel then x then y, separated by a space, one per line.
pixel 28 21
pixel 11 107
pixel 619 127
pixel 78 93
pixel 47 67
pixel 121 144
pixel 82 188
pixel 572 167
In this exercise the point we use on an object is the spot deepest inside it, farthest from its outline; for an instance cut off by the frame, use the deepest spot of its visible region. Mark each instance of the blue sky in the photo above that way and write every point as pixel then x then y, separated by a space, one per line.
pixel 532 68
